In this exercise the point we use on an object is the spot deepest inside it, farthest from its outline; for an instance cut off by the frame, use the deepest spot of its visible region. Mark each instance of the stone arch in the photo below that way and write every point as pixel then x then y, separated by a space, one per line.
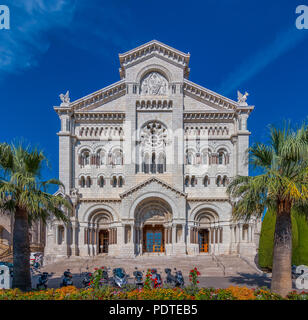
pixel 151 196
pixel 212 209
pixel 206 218
pixel 153 210
pixel 84 147
pixel 100 217
pixel 154 68
pixel 92 210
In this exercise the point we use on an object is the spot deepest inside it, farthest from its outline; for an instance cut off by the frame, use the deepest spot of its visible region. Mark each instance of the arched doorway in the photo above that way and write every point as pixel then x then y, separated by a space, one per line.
pixel 206 223
pixel 203 240
pixel 153 225
pixel 103 241
pixel 100 232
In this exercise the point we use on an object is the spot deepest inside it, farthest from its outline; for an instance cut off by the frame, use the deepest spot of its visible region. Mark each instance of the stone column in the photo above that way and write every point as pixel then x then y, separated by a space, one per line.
pixel 249 233
pixel 121 234
pixel 240 233
pixel 56 234
pixel 252 233
pixel 183 233
pixel 173 234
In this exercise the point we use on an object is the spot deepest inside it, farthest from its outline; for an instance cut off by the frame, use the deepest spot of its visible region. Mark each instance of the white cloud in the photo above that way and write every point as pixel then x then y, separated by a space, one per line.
pixel 31 20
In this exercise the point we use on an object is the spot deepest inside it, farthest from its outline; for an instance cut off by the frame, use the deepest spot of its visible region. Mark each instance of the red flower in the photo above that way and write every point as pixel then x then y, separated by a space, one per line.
pixel 102 267
pixel 95 268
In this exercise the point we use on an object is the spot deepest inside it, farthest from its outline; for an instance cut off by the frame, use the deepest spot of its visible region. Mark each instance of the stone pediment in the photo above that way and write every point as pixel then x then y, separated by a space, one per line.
pixel 150 49
pixel 101 99
pixel 152 180
pixel 210 100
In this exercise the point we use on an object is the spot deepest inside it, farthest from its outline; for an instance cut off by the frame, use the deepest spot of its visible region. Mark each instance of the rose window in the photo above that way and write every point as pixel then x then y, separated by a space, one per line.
pixel 154 135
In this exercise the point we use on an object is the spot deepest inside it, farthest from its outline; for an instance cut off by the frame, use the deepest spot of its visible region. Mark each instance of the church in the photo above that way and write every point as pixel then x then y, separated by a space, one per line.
pixel 146 162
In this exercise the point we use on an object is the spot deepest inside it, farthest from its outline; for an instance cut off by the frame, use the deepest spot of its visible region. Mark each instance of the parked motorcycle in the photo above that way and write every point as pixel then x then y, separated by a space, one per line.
pixel 43 280
pixel 86 279
pixel 156 278
pixel 67 279
pixel 176 280
pixel 138 278
pixel 120 277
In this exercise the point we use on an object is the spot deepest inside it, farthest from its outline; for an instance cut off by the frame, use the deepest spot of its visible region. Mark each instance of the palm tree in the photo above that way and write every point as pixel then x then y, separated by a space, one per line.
pixel 24 195
pixel 281 184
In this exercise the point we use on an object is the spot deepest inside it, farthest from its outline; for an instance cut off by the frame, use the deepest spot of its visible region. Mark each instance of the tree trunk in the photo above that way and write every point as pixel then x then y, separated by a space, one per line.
pixel 21 251
pixel 282 257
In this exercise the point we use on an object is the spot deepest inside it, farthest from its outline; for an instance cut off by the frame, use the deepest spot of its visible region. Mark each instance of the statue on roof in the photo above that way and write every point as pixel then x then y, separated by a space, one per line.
pixel 241 98
pixel 65 98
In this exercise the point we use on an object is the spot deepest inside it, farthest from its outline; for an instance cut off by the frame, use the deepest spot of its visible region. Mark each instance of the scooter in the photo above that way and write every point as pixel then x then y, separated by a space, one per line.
pixel 43 280
pixel 67 279
pixel 156 278
pixel 171 279
pixel 119 277
pixel 138 278
pixel 86 279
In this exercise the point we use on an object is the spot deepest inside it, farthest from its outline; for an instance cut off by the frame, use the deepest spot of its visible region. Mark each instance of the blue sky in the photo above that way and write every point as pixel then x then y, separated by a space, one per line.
pixel 54 46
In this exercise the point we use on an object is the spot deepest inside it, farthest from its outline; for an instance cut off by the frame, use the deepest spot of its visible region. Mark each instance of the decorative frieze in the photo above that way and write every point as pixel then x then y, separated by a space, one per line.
pixel 154 105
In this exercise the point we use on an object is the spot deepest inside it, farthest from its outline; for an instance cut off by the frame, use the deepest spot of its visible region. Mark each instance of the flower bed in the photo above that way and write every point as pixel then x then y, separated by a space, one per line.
pixel 188 293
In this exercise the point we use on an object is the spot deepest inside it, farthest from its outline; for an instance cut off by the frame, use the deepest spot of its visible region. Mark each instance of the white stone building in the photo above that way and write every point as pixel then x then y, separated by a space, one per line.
pixel 146 161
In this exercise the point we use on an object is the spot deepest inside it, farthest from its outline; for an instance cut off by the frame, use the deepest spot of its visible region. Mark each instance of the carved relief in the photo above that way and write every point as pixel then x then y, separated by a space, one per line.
pixel 154 84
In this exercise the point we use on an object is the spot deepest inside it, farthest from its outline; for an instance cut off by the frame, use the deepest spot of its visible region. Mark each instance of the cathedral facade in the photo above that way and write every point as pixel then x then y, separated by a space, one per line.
pixel 146 162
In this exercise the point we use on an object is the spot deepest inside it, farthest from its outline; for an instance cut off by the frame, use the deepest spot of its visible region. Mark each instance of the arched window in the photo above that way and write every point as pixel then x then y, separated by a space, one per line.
pixel 114 182
pixel 221 157
pixel 190 158
pixel 117 158
pixel 218 181
pixel 84 159
pixel 88 182
pixel 186 182
pixel 82 182
pixel 101 182
pixel 206 181
pixel 193 181
pixel 100 158
pixel 204 157
pixel 225 181
pixel 121 182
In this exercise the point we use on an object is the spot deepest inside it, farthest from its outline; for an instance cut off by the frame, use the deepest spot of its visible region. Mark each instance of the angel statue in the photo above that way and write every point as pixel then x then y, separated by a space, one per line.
pixel 241 98
pixel 65 98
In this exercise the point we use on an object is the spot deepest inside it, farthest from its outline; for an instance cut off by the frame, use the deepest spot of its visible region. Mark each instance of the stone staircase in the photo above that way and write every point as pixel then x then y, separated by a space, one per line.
pixel 234 265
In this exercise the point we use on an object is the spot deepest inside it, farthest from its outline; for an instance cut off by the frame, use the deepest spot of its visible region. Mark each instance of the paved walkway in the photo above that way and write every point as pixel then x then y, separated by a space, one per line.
pixel 230 270
pixel 221 273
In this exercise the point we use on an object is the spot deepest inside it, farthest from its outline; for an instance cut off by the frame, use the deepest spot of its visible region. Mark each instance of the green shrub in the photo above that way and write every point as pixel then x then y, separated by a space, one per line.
pixel 267 240
pixel 302 249
pixel 266 243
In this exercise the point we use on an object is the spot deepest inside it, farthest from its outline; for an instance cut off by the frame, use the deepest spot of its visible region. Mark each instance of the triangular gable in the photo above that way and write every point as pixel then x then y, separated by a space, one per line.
pixel 154 48
pixel 149 181
pixel 208 97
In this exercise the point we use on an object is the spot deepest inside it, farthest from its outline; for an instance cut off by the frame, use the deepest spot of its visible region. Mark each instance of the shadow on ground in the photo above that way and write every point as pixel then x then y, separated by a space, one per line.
pixel 250 280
